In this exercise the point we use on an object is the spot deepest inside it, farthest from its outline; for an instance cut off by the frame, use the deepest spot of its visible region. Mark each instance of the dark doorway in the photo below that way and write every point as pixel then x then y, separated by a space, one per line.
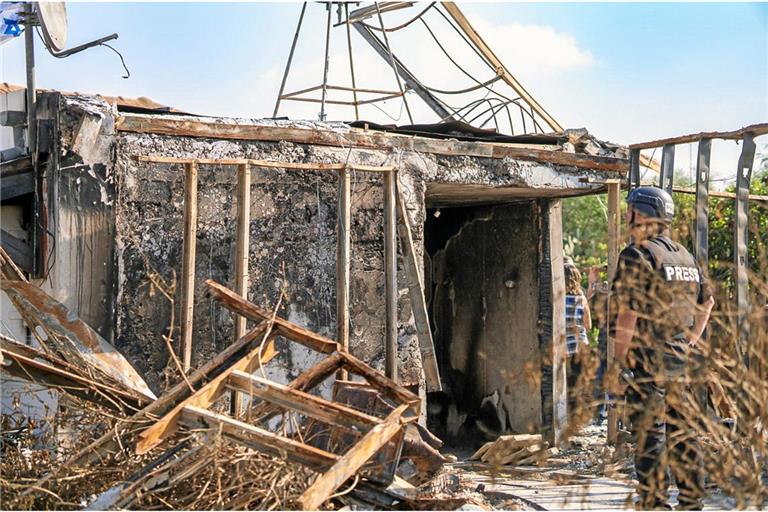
pixel 482 286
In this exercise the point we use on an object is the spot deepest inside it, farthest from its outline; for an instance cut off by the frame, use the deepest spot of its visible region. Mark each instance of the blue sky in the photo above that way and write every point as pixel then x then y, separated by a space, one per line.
pixel 627 72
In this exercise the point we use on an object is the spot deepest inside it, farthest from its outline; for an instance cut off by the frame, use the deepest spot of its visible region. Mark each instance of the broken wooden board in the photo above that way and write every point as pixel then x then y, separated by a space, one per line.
pixel 353 460
pixel 26 363
pixel 505 446
pixel 241 306
pixel 73 339
pixel 418 303
pixel 114 440
pixel 205 396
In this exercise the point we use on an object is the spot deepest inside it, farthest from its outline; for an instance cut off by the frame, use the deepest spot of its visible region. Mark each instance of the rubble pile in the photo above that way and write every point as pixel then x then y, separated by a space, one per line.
pixel 200 446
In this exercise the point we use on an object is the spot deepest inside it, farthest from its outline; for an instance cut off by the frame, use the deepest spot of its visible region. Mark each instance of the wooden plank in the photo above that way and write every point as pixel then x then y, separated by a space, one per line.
pixel 505 446
pixel 358 138
pixel 18 364
pixel 307 381
pixel 614 237
pixel 418 302
pixel 234 302
pixel 203 397
pixel 188 263
pixel 343 243
pixel 755 129
pixel 378 380
pixel 557 294
pixel 351 462
pixel 600 163
pixel 301 402
pixel 241 257
pixel 262 440
pixel 114 439
pixel 271 164
pixel 390 277
pixel 496 64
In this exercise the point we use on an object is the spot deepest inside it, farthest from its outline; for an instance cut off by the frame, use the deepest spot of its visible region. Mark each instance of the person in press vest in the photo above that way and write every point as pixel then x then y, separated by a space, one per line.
pixel 664 304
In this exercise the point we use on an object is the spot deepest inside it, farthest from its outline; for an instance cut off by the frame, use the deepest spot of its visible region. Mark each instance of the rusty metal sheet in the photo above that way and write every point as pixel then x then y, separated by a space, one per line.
pixel 71 336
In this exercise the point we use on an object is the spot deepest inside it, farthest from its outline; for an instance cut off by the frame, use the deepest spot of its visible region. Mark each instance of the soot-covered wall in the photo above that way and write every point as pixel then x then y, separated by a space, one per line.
pixel 484 294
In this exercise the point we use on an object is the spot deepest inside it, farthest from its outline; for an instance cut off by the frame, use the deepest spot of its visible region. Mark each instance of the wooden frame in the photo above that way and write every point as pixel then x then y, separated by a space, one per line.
pixel 393 208
pixel 195 411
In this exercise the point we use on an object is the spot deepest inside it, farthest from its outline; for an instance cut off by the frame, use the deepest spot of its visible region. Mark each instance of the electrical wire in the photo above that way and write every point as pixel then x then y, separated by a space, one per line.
pixel 399 27
pixel 122 60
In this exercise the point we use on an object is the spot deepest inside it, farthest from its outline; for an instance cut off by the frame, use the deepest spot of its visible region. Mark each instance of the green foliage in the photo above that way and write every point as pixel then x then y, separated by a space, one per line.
pixel 585 228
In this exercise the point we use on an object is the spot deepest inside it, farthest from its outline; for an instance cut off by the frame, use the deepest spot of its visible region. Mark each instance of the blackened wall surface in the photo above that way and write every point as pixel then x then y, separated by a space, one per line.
pixel 484 306
pixel 292 249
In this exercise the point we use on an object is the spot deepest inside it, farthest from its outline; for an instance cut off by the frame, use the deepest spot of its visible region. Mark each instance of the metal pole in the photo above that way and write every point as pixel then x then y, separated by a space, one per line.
pixel 390 275
pixel 342 264
pixel 327 61
pixel 392 61
pixel 702 204
pixel 634 168
pixel 29 46
pixel 740 241
pixel 667 175
pixel 290 59
pixel 188 262
pixel 351 62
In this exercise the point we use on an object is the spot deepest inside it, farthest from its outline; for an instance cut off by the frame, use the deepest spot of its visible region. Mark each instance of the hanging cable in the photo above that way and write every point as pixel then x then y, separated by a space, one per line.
pixel 463 91
pixel 392 62
pixel 399 27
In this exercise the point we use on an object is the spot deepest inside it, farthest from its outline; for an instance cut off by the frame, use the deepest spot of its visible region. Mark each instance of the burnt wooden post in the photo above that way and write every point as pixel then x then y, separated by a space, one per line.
pixel 667 174
pixel 557 294
pixel 614 236
pixel 342 263
pixel 188 262
pixel 241 258
pixel 418 302
pixel 741 239
pixel 390 275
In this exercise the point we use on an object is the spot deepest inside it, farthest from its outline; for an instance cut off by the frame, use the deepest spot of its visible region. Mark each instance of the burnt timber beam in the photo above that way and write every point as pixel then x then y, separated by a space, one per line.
pixel 755 130
pixel 114 439
pixel 205 396
pixel 241 306
pixel 363 139
pixel 306 404
pixel 262 440
pixel 408 77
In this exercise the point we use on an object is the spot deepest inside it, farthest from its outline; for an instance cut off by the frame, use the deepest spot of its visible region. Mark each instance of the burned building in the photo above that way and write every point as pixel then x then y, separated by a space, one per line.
pixel 100 224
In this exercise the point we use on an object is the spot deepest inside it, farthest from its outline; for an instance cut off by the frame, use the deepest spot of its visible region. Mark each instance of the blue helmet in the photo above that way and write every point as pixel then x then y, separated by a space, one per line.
pixel 652 202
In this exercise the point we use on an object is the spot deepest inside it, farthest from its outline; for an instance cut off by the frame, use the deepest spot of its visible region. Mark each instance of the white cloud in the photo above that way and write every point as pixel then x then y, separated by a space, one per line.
pixel 534 50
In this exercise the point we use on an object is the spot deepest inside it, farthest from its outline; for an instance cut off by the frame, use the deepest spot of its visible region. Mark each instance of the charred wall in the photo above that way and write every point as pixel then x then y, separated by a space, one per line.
pixel 292 248
pixel 484 291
